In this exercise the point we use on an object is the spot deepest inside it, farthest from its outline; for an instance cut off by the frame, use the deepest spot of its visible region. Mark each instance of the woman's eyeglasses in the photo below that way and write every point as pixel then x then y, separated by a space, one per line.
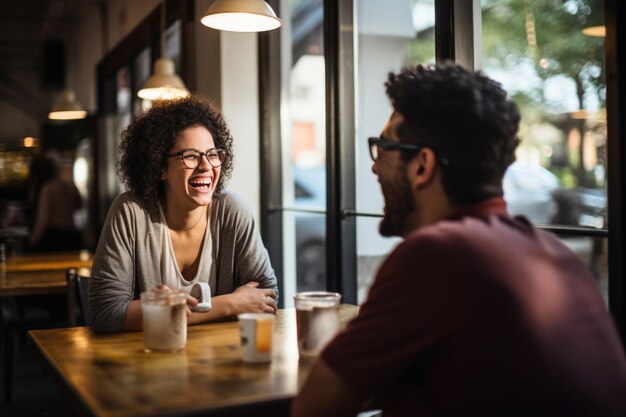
pixel 192 158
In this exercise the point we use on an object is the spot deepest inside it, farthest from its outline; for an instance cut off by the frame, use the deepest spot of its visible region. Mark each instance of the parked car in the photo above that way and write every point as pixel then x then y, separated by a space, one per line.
pixel 581 206
pixel 310 192
pixel 528 191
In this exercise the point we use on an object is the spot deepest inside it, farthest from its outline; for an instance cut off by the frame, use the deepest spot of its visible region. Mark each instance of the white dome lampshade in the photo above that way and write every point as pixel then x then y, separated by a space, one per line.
pixel 241 16
pixel 164 84
pixel 66 107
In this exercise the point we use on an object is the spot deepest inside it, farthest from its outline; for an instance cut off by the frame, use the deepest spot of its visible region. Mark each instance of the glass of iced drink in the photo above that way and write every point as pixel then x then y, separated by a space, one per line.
pixel 317 320
pixel 164 320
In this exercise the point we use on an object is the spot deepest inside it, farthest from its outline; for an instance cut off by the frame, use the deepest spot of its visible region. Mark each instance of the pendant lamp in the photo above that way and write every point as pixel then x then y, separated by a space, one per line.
pixel 241 16
pixel 66 107
pixel 164 84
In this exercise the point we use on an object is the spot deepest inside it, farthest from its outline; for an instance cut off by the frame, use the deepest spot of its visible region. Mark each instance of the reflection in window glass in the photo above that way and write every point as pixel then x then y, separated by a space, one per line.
pixel 120 121
pixel 143 68
pixel 556 75
pixel 390 35
pixel 80 175
pixel 304 146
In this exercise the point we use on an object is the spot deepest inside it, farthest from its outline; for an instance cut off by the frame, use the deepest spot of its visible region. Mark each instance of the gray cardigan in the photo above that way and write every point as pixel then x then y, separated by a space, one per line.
pixel 135 254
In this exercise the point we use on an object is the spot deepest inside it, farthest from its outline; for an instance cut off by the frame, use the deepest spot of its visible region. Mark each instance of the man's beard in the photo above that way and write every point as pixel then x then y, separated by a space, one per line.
pixel 399 204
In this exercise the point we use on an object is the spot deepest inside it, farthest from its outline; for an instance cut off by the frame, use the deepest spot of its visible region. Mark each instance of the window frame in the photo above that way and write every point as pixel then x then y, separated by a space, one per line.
pixel 455 23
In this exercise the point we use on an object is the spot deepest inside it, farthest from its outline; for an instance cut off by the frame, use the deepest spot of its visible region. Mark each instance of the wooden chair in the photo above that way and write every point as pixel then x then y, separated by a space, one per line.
pixel 77 297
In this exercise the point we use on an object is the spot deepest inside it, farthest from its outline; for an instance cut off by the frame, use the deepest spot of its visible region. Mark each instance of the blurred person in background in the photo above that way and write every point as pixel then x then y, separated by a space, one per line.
pixel 55 200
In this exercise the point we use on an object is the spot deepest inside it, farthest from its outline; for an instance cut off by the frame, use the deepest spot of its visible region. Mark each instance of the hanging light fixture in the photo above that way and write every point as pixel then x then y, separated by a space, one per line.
pixel 241 16
pixel 66 107
pixel 164 84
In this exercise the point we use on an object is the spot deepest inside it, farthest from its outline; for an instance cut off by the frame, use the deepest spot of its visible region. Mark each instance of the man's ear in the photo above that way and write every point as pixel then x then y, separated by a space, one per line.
pixel 422 168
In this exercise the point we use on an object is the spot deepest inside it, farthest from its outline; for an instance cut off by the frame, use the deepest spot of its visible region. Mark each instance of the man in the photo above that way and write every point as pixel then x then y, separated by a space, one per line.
pixel 475 312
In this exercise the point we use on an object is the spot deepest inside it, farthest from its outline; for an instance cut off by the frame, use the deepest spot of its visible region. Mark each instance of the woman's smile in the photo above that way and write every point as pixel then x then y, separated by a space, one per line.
pixel 201 183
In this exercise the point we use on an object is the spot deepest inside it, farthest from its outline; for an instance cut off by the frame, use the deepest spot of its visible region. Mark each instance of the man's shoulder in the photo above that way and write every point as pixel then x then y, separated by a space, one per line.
pixel 473 229
pixel 457 239
pixel 439 235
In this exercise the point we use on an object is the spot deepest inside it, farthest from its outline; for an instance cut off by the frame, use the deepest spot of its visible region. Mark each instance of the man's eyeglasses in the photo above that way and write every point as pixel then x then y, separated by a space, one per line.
pixel 192 158
pixel 379 143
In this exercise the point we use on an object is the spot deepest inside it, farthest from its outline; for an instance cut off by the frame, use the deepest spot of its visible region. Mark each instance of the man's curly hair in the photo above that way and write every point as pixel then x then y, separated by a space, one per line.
pixel 147 142
pixel 465 117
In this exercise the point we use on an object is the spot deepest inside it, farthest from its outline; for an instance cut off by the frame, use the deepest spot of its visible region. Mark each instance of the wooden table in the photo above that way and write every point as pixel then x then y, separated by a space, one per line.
pixel 40 274
pixel 48 261
pixel 32 283
pixel 111 375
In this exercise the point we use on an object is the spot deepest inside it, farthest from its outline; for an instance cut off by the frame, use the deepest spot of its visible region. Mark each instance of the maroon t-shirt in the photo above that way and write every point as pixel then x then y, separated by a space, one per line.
pixel 484 315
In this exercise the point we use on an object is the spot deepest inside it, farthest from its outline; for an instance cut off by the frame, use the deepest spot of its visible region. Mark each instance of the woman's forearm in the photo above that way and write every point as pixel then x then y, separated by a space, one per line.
pixel 134 316
pixel 220 307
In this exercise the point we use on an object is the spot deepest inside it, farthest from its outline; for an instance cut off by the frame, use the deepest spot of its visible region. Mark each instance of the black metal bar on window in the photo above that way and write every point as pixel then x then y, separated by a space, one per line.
pixel 615 50
pixel 299 209
pixel 556 229
pixel 270 149
pixel 340 232
pixel 333 190
pixel 454 31
pixel 444 30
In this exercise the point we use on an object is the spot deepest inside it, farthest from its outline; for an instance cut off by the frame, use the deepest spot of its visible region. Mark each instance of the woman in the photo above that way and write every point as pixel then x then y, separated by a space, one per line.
pixel 177 226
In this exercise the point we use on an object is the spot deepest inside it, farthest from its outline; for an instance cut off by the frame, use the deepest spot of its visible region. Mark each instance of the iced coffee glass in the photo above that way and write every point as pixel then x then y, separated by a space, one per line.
pixel 164 320
pixel 317 320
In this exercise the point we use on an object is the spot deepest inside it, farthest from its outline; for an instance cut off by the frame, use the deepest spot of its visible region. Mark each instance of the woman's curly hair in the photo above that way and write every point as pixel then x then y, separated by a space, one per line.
pixel 147 142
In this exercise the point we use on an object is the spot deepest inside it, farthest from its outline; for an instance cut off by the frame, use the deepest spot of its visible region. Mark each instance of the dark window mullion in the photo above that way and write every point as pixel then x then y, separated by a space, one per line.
pixel 615 15
pixel 271 149
pixel 340 230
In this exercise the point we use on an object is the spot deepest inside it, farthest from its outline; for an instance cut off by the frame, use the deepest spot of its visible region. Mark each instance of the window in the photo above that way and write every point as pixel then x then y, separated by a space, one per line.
pixel 304 148
pixel 555 73
pixel 566 174
pixel 389 35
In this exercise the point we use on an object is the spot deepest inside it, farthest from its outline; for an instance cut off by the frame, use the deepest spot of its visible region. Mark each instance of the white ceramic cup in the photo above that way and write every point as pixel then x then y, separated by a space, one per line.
pixel 256 331
pixel 202 292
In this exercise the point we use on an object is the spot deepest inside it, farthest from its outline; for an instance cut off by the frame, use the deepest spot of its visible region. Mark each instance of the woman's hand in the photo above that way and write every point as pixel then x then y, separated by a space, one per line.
pixel 250 299
pixel 191 301
pixel 134 312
